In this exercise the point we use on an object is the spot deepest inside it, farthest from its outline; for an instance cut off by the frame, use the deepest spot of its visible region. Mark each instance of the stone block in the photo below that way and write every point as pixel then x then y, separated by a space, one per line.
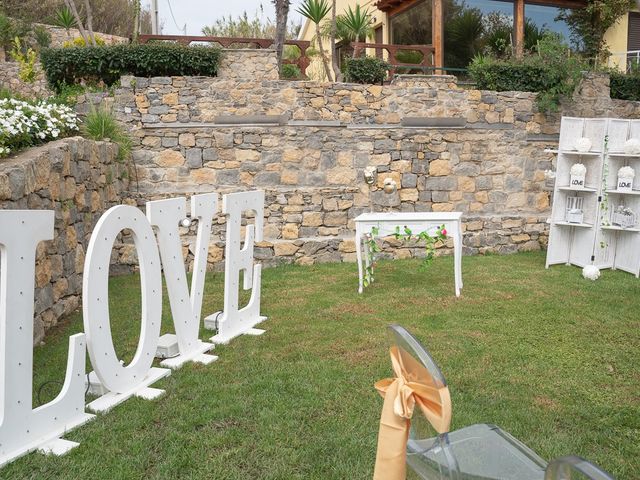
pixel 187 140
pixel 194 158
pixel 312 219
pixel 438 168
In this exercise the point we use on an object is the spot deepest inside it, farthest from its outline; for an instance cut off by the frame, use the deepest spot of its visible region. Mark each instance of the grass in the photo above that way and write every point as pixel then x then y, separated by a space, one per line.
pixel 548 356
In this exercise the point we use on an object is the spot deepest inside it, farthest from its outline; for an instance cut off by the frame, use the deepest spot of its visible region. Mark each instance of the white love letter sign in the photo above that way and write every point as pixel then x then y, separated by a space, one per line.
pixel 22 429
pixel 232 321
pixel 185 308
pixel 121 381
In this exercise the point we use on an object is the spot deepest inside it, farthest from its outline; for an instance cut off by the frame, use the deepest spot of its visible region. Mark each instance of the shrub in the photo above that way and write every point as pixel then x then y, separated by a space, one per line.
pixel 107 64
pixel 552 72
pixel 100 124
pixel 23 124
pixel 290 71
pixel 42 37
pixel 625 87
pixel 26 58
pixel 79 42
pixel 366 70
pixel 508 75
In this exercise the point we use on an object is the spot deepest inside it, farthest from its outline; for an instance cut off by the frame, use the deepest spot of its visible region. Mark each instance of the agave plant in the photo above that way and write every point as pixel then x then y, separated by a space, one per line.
pixel 316 11
pixel 64 18
pixel 354 25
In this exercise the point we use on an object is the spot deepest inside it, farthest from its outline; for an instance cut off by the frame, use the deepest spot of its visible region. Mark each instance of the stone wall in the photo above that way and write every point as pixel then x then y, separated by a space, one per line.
pixel 79 179
pixel 10 79
pixel 248 64
pixel 59 36
pixel 200 134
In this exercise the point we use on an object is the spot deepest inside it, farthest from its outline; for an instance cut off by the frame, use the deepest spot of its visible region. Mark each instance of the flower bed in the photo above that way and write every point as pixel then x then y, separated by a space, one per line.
pixel 23 124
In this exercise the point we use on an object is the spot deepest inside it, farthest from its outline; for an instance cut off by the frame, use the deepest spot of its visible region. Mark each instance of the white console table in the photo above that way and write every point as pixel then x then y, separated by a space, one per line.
pixel 417 222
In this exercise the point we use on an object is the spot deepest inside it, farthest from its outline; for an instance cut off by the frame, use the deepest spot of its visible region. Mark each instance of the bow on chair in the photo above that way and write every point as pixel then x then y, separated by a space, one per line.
pixel 412 385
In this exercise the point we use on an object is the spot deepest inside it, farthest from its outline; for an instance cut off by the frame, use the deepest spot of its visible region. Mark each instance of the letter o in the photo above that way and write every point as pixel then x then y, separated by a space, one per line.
pixel 95 302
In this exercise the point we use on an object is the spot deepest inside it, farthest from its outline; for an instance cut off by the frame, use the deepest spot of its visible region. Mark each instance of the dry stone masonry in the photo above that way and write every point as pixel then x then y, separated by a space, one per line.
pixel 307 144
pixel 79 179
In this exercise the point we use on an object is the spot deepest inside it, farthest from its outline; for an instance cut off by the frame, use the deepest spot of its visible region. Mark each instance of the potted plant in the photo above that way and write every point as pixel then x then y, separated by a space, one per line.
pixel 624 217
pixel 625 179
pixel 578 174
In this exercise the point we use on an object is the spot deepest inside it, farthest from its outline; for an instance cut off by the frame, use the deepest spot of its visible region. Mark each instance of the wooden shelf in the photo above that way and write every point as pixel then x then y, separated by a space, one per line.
pixel 620 229
pixel 624 155
pixel 574 152
pixel 584 189
pixel 569 224
pixel 619 192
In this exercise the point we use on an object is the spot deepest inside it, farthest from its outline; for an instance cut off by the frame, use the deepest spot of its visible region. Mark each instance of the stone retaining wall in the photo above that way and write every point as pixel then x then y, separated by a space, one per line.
pixel 10 79
pixel 79 179
pixel 248 64
pixel 491 167
pixel 60 35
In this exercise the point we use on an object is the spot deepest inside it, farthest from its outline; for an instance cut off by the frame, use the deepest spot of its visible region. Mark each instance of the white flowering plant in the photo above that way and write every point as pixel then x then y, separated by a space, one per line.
pixel 578 169
pixel 626 172
pixel 23 124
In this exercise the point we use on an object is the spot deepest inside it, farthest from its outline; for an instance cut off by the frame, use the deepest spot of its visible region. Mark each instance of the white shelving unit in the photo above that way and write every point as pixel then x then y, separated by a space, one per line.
pixel 595 240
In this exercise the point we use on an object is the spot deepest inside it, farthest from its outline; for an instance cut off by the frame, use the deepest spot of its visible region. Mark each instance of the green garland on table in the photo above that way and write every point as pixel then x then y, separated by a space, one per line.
pixel 406 235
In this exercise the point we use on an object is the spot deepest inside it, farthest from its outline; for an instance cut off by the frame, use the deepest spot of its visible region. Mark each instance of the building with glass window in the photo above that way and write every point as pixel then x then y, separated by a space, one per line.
pixel 459 29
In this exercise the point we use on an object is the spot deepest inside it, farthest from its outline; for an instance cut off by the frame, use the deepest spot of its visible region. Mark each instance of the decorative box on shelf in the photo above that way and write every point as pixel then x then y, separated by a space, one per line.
pixel 625 179
pixel 574 212
pixel 578 174
pixel 624 217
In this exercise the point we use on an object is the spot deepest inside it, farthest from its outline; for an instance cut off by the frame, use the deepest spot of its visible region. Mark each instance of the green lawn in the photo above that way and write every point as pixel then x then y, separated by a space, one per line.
pixel 548 356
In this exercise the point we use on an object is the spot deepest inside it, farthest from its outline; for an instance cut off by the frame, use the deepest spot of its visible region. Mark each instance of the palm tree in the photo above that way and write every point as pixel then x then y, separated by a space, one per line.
pixel 315 11
pixel 354 25
pixel 282 12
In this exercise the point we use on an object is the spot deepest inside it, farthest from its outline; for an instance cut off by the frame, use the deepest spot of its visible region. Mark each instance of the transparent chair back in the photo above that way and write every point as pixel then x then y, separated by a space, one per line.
pixel 574 468
pixel 428 453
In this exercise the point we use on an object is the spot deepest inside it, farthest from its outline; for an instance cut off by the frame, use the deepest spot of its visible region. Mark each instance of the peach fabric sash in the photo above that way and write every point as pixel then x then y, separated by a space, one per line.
pixel 413 384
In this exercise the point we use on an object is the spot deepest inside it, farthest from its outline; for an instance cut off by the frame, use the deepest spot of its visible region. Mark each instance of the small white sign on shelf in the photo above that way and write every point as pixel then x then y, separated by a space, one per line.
pixel 232 321
pixel 578 175
pixel 625 179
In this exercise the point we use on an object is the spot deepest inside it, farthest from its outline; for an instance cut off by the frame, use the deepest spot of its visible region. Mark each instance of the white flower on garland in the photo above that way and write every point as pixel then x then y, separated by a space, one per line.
pixel 591 272
pixel 626 172
pixel 583 144
pixel 578 170
pixel 632 146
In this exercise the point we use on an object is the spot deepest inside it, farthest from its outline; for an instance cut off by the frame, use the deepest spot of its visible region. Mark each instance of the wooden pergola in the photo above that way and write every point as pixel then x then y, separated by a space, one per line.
pixel 393 7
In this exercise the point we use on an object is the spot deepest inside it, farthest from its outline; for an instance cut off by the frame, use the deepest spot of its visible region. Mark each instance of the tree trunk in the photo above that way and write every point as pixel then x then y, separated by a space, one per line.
pixel 334 52
pixel 282 12
pixel 71 5
pixel 87 7
pixel 354 50
pixel 327 71
pixel 136 21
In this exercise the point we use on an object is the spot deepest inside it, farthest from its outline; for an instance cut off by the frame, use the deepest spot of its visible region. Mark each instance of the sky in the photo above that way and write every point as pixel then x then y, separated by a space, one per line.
pixel 198 13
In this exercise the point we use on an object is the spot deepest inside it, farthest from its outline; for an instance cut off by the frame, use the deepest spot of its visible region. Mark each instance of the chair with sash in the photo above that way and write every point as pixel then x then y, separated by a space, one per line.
pixel 478 452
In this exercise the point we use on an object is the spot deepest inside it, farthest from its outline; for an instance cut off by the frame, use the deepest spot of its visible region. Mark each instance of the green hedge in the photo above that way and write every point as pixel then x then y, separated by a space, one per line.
pixel 108 63
pixel 503 76
pixel 366 70
pixel 625 87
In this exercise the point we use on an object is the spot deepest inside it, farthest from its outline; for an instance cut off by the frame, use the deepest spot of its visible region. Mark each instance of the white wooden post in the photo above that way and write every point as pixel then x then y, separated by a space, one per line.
pixel 135 378
pixel 185 308
pixel 232 322
pixel 24 429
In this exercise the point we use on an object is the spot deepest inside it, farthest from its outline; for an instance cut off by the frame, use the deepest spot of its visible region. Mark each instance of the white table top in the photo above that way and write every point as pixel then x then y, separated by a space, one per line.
pixel 408 216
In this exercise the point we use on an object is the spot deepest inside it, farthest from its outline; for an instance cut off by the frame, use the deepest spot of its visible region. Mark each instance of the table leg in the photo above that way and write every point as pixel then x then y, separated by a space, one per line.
pixel 359 260
pixel 460 260
pixel 457 253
